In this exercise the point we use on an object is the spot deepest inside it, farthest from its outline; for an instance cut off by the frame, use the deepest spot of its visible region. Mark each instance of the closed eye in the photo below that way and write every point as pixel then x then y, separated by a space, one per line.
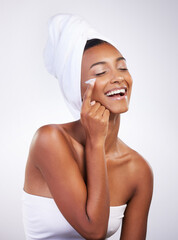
pixel 99 74
pixel 123 69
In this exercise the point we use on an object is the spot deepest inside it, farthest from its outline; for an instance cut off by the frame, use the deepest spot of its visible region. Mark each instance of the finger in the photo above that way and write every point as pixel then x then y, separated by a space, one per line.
pixel 106 114
pixel 99 112
pixel 94 110
pixel 92 103
pixel 88 93
pixel 89 89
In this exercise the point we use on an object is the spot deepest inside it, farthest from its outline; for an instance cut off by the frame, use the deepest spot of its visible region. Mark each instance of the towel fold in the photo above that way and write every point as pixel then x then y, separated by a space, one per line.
pixel 63 53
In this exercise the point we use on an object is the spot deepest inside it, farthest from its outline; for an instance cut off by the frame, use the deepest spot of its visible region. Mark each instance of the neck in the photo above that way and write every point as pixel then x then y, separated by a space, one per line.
pixel 111 141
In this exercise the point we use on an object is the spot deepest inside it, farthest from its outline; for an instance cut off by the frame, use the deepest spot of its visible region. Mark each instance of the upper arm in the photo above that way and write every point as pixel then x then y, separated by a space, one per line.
pixel 52 155
pixel 135 220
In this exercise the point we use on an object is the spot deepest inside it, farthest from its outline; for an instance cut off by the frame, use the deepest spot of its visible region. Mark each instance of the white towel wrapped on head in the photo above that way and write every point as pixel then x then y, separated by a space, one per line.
pixel 63 53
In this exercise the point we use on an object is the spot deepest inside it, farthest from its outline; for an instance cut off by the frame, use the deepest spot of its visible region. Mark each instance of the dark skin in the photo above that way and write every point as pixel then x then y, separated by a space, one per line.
pixel 84 166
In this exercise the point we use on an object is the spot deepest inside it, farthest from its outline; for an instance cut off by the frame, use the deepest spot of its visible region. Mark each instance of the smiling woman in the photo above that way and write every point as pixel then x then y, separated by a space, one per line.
pixel 112 67
pixel 81 179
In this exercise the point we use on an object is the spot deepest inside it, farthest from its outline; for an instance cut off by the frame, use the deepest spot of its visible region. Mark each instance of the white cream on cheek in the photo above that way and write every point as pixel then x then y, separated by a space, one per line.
pixel 90 81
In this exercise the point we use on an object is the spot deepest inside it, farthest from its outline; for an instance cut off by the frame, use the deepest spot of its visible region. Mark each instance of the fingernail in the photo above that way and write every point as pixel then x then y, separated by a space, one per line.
pixel 90 81
pixel 92 103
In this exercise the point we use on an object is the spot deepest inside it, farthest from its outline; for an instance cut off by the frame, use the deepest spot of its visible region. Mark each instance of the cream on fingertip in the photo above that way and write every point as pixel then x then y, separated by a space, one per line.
pixel 90 81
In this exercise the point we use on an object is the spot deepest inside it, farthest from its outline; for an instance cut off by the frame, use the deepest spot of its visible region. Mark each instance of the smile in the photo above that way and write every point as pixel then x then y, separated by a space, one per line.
pixel 117 93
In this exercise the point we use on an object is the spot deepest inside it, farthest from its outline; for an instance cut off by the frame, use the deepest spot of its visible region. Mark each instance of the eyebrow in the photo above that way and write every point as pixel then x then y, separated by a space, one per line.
pixel 97 63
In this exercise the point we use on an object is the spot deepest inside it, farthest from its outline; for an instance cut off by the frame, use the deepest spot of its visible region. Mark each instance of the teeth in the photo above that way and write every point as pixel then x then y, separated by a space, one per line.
pixel 116 92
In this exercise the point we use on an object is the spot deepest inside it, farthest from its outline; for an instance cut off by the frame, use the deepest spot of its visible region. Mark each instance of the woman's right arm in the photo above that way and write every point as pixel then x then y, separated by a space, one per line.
pixel 86 208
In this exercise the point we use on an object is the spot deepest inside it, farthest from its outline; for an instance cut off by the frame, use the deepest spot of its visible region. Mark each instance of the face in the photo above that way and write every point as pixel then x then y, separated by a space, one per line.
pixel 113 81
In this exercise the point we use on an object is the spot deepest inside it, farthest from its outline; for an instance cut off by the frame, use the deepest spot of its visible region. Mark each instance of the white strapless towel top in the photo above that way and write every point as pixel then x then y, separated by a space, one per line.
pixel 43 220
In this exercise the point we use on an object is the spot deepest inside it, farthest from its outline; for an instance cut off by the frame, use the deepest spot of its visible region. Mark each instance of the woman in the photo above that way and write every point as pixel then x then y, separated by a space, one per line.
pixel 81 179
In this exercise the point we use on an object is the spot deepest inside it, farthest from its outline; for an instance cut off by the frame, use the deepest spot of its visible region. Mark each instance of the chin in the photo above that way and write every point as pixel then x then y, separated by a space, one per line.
pixel 119 110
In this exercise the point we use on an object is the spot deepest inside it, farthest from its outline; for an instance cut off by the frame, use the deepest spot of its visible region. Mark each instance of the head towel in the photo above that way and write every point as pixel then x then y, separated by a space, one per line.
pixel 63 53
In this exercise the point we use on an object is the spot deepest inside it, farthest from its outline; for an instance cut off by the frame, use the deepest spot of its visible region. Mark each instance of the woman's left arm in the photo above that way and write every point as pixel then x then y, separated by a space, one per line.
pixel 135 220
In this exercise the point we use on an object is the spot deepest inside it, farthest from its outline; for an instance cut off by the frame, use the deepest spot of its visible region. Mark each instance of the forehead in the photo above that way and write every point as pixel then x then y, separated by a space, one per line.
pixel 100 52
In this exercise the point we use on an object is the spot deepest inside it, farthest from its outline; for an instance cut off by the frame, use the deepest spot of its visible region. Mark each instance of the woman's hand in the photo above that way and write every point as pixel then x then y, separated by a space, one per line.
pixel 94 117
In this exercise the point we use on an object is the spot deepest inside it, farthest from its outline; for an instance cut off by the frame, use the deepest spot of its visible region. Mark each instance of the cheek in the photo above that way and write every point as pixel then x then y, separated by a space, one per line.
pixel 129 80
pixel 130 85
pixel 98 88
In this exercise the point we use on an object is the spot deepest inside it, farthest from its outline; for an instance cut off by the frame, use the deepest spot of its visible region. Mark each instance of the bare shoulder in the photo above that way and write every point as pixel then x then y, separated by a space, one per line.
pixel 47 131
pixel 48 139
pixel 142 177
pixel 137 166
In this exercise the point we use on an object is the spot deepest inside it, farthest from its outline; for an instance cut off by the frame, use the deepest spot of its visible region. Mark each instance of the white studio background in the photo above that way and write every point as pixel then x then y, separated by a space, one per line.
pixel 147 34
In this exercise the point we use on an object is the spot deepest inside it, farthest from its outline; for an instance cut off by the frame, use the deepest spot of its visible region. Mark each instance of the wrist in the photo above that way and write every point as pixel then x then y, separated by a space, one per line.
pixel 95 143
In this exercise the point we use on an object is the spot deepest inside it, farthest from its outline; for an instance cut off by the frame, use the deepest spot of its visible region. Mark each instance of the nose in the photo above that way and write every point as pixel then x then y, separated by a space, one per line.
pixel 116 78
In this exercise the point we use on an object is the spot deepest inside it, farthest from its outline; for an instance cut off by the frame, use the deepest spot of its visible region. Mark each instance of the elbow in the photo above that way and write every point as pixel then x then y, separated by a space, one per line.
pixel 96 235
pixel 94 230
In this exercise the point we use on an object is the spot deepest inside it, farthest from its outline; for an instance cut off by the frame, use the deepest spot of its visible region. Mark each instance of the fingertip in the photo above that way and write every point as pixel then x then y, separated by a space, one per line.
pixel 92 103
pixel 107 113
pixel 89 89
pixel 91 81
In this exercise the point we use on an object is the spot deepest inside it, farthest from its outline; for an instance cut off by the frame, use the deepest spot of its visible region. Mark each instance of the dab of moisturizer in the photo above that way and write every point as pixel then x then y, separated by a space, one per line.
pixel 90 81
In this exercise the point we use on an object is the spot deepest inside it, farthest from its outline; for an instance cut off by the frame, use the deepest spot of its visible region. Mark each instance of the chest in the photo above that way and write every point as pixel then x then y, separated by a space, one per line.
pixel 119 179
